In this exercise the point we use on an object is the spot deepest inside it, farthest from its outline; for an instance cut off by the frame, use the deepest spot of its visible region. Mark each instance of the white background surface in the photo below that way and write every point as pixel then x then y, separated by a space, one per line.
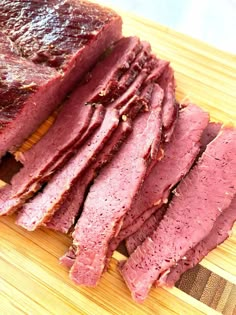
pixel 212 21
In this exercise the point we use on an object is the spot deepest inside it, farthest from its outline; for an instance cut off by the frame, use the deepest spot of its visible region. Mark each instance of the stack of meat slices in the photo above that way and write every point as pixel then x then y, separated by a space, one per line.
pixel 106 169
pixel 198 218
pixel 84 126
pixel 130 91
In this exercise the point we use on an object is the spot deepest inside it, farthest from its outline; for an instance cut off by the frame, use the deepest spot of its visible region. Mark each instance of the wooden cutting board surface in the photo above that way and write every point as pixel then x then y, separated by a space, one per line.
pixel 31 280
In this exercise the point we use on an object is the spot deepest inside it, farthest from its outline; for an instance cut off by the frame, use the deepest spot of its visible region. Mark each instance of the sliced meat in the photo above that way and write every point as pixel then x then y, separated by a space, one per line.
pixel 65 216
pixel 105 214
pixel 157 71
pixel 118 62
pixel 66 132
pixel 135 68
pixel 95 122
pixel 63 55
pixel 59 163
pixel 131 91
pixel 168 132
pixel 144 99
pixel 155 144
pixel 145 230
pixel 41 208
pixel 174 274
pixel 167 172
pixel 68 259
pixel 202 199
pixel 170 107
pixel 219 233
pixel 209 134
pixel 144 225
pixel 62 219
pixel 46 213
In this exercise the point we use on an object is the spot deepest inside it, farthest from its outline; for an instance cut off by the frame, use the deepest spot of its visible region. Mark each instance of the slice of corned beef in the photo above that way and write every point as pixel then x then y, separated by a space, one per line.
pixel 119 60
pixel 67 131
pixel 62 51
pixel 150 223
pixel 114 143
pixel 209 134
pixel 198 202
pixel 41 208
pixel 155 144
pixel 157 70
pixel 131 91
pixel 68 259
pixel 170 107
pixel 135 68
pixel 179 156
pixel 219 233
pixel 137 238
pixel 105 213
pixel 174 274
pixel 128 111
pixel 65 216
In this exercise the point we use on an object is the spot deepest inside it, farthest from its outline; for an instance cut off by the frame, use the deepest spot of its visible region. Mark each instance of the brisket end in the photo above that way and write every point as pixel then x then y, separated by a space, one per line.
pixel 51 32
pixel 45 59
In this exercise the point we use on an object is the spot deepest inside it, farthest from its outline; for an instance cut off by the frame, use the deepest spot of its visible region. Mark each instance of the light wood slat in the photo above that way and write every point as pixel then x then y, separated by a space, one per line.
pixel 32 275
pixel 19 302
pixel 7 306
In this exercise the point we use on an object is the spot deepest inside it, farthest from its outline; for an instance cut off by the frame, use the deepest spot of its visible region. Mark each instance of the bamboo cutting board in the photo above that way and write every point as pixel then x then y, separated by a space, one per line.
pixel 31 280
